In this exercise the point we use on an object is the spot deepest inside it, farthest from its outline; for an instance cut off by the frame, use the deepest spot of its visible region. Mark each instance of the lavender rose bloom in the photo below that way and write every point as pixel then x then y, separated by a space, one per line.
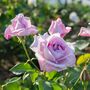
pixel 58 27
pixel 52 52
pixel 20 26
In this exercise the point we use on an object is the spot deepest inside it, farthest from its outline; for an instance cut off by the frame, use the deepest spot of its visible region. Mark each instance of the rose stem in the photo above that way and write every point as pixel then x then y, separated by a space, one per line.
pixel 24 47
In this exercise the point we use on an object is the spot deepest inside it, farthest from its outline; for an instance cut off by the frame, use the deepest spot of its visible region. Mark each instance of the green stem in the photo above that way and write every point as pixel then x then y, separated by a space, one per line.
pixel 25 51
pixel 24 47
pixel 84 85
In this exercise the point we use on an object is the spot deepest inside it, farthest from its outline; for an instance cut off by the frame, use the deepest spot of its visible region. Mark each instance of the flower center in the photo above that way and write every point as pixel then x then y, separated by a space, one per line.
pixel 57 47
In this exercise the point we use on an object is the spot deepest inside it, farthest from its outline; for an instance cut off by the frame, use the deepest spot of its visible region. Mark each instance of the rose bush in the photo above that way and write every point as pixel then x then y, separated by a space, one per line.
pixel 26 75
pixel 20 26
pixel 52 52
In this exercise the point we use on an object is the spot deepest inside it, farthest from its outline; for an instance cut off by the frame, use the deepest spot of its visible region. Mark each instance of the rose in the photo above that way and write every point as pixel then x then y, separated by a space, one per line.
pixel 84 32
pixel 52 52
pixel 58 27
pixel 20 26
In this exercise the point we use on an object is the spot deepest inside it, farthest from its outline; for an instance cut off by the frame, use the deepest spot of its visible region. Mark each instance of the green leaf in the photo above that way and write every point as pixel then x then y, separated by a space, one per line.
pixel 34 76
pixel 12 84
pixel 1 87
pixel 50 75
pixel 40 85
pixel 72 76
pixel 47 85
pixel 81 44
pixel 24 88
pixel 56 86
pixel 35 87
pixel 27 81
pixel 44 85
pixel 21 68
pixel 14 79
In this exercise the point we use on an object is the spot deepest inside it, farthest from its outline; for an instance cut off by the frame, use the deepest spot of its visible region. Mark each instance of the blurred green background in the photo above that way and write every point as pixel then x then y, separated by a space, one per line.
pixel 41 13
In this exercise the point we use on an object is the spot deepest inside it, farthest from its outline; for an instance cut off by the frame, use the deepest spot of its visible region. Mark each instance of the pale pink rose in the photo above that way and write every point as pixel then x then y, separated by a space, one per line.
pixel 58 27
pixel 84 32
pixel 20 26
pixel 52 52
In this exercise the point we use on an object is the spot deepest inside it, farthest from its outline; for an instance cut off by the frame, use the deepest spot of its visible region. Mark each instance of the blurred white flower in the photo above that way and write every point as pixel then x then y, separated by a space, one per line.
pixel 74 17
pixel 88 26
pixel 62 1
pixel 69 1
pixel 51 2
pixel 32 2
pixel 86 2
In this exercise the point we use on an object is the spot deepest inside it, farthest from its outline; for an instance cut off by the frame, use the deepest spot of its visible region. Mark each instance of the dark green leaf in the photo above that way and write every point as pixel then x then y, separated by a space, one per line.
pixel 44 85
pixel 21 68
pixel 47 85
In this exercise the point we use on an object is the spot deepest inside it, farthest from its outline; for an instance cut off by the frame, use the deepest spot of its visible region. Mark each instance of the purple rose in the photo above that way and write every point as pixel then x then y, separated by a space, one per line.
pixel 52 52
pixel 20 26
pixel 58 27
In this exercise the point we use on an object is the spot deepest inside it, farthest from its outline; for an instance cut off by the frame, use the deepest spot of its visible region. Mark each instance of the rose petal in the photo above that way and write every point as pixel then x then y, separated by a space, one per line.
pixel 34 45
pixel 48 55
pixel 58 27
pixel 84 32
pixel 7 33
pixel 46 65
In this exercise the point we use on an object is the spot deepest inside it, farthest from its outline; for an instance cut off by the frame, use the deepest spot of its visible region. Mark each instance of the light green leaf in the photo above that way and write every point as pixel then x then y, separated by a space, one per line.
pixel 12 86
pixel 50 75
pixel 56 86
pixel 34 76
pixel 81 44
pixel 40 85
